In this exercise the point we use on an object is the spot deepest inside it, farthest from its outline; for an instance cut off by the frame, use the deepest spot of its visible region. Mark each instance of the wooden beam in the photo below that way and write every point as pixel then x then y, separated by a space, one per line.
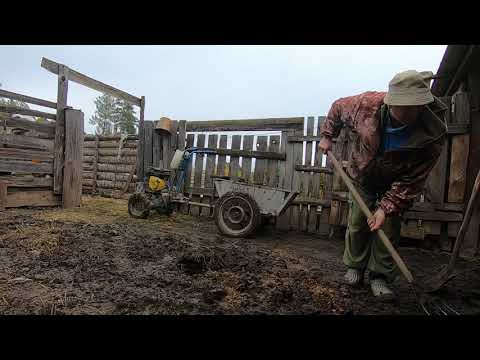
pixel 246 124
pixel 72 173
pixel 18 122
pixel 24 154
pixel 32 198
pixel 109 137
pixel 59 156
pixel 307 138
pixel 89 82
pixel 249 153
pixel 315 169
pixel 20 111
pixel 433 216
pixel 27 99
pixel 458 129
pixel 25 142
pixel 27 181
pixel 25 167
pixel 428 206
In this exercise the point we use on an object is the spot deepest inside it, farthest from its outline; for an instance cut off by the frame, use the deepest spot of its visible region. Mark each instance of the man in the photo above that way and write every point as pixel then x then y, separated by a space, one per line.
pixel 398 137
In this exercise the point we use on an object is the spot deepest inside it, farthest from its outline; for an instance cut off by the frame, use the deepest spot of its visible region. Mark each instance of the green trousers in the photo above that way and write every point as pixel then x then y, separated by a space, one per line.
pixel 363 248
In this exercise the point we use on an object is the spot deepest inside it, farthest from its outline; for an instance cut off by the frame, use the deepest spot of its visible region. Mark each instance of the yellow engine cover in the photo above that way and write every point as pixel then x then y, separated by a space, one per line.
pixel 156 184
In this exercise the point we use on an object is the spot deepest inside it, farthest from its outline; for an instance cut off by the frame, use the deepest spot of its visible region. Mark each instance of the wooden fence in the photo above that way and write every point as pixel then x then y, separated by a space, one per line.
pixel 287 157
pixel 109 164
pixel 30 152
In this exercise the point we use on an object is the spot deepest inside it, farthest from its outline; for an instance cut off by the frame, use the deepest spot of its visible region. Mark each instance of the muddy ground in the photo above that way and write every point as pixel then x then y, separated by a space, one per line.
pixel 97 260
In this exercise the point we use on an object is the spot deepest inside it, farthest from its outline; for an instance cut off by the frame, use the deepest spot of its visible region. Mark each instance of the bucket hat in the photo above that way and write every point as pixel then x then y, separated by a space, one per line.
pixel 409 88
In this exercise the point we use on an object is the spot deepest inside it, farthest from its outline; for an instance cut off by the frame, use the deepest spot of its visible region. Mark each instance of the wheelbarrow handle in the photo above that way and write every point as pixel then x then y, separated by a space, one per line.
pixel 381 234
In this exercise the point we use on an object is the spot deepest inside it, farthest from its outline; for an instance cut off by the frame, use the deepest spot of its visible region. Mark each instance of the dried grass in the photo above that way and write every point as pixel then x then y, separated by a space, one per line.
pixel 101 210
pixel 36 238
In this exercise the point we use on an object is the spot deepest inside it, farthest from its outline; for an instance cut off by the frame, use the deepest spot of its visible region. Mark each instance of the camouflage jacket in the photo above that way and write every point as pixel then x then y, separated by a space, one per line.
pixel 397 175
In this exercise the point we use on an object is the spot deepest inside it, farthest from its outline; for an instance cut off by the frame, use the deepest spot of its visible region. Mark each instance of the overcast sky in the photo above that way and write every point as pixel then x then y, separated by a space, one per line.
pixel 217 82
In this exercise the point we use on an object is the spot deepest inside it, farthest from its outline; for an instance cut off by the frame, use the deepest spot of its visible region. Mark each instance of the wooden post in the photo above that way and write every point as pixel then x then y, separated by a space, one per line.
pixel 141 142
pixel 59 156
pixel 72 181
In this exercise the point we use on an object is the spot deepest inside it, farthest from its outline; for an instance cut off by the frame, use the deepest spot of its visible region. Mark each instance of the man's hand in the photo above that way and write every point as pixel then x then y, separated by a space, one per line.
pixel 377 220
pixel 325 144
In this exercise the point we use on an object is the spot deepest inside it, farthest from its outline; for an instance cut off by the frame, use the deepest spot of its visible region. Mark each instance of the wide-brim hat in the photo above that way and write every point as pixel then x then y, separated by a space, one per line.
pixel 410 88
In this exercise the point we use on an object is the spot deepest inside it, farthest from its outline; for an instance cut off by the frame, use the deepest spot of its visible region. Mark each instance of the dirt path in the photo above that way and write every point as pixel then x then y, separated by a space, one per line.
pixel 97 260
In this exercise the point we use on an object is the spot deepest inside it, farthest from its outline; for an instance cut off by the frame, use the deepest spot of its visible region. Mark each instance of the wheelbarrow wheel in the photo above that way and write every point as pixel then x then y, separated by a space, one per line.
pixel 237 214
pixel 139 206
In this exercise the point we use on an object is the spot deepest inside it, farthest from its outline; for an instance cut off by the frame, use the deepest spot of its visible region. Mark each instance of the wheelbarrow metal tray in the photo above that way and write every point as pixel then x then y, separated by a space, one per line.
pixel 271 201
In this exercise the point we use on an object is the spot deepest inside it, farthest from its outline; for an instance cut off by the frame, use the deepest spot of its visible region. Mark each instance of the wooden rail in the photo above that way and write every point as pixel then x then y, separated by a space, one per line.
pixel 87 81
pixel 21 111
pixel 27 99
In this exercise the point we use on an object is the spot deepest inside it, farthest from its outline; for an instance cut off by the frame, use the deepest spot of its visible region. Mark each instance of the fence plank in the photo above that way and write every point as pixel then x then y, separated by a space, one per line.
pixel 184 208
pixel 72 181
pixel 26 142
pixel 247 161
pixel 148 145
pixel 209 171
pixel 272 175
pixel 197 180
pixel 283 222
pixel 157 150
pixel 221 163
pixel 23 154
pixel 28 125
pixel 15 166
pixel 296 181
pixel 182 134
pixel 260 164
pixel 435 184
pixel 234 170
pixel 458 168
pixel 307 177
pixel 27 181
pixel 335 208
pixel 33 198
pixel 29 112
pixel 166 148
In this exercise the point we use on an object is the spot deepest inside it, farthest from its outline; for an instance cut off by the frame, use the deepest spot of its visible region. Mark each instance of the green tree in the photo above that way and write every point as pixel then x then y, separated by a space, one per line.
pixel 125 119
pixel 113 116
pixel 104 116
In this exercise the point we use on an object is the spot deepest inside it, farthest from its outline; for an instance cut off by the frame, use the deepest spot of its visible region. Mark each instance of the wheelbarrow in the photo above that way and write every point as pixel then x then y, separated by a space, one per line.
pixel 241 206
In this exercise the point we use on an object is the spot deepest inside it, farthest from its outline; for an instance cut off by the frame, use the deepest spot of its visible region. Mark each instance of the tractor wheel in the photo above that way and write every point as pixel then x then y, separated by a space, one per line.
pixel 139 206
pixel 237 214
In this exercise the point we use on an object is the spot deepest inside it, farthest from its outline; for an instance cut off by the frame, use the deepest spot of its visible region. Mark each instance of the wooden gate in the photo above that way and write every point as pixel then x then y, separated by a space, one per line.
pixel 34 169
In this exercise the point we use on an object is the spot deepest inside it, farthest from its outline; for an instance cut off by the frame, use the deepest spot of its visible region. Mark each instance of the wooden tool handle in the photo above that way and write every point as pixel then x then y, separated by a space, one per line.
pixel 396 257
pixel 465 223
